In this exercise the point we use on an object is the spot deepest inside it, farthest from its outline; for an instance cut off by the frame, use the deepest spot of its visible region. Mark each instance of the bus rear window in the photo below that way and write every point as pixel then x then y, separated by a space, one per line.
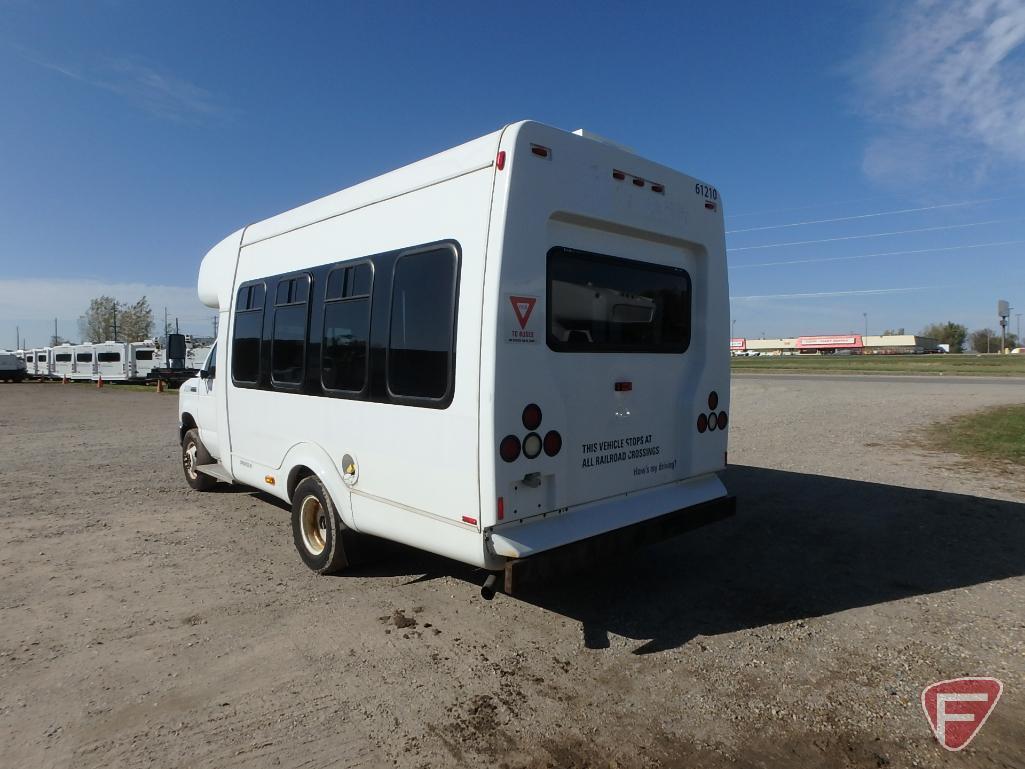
pixel 600 303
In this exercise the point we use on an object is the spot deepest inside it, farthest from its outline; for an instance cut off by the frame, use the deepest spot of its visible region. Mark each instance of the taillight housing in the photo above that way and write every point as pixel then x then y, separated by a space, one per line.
pixel 532 446
pixel 713 400
pixel 552 443
pixel 702 422
pixel 509 448
pixel 712 421
pixel 722 419
pixel 532 416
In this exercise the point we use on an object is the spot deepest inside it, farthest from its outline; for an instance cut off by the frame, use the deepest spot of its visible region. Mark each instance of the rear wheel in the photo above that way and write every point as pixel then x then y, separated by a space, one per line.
pixel 194 453
pixel 318 532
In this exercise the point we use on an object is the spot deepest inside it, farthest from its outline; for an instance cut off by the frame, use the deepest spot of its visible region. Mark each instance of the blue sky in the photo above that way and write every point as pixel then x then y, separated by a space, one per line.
pixel 135 136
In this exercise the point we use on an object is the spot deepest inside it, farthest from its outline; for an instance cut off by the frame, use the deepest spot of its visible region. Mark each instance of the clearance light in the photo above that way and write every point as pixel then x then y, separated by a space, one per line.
pixel 500 160
pixel 712 421
pixel 624 387
pixel 553 443
pixel 532 416
pixel 660 189
pixel 713 400
pixel 618 175
pixel 638 182
pixel 469 520
pixel 541 152
pixel 702 423
pixel 509 448
pixel 709 205
pixel 501 508
pixel 532 445
pixel 722 420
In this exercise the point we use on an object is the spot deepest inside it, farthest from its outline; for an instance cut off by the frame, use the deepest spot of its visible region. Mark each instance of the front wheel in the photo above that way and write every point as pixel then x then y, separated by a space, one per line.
pixel 318 532
pixel 194 453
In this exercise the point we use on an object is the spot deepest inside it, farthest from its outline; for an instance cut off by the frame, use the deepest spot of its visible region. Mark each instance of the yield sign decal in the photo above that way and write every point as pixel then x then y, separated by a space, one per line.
pixel 958 708
pixel 523 306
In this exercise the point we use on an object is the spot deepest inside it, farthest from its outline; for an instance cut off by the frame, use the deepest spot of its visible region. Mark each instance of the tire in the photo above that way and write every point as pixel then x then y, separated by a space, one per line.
pixel 195 453
pixel 317 531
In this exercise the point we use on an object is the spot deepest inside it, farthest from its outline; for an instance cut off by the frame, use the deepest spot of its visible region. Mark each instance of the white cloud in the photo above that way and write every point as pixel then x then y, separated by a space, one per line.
pixel 33 303
pixel 158 92
pixel 945 82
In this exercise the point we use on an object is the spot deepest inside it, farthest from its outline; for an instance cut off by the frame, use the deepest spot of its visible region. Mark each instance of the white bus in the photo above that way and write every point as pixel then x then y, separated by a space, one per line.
pixel 507 348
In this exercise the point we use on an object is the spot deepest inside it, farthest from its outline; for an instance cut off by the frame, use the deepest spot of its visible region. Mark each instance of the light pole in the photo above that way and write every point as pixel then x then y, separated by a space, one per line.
pixel 865 315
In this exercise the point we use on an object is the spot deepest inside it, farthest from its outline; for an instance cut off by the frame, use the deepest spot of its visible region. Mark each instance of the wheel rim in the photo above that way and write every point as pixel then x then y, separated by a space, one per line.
pixel 189 461
pixel 313 522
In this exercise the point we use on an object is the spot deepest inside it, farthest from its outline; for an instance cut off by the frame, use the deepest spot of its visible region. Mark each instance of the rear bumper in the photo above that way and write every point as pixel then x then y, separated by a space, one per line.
pixel 599 548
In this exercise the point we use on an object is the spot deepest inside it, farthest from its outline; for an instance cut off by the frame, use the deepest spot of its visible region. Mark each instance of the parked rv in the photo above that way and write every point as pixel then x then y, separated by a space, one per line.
pixel 497 354
pixel 12 368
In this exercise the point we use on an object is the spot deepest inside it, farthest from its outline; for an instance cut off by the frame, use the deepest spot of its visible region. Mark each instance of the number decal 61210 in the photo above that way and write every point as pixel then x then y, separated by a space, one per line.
pixel 709 192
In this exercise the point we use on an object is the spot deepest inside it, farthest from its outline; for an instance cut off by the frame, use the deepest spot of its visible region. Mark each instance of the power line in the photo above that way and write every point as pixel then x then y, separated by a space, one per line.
pixel 864 216
pixel 878 253
pixel 873 235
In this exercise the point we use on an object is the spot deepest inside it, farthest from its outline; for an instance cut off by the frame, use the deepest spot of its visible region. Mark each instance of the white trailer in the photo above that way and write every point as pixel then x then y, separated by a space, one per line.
pixel 111 362
pixel 83 361
pixel 44 363
pixel 507 351
pixel 63 361
pixel 144 358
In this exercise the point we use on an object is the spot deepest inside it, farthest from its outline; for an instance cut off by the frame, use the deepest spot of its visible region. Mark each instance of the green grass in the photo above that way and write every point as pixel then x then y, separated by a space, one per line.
pixel 968 365
pixel 996 434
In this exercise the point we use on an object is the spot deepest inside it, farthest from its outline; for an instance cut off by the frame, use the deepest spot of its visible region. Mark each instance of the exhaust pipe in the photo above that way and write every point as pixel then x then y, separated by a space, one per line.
pixel 487 591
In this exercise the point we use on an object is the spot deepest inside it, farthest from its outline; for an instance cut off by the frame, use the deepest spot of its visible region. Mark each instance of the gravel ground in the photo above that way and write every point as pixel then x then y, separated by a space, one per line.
pixel 142 624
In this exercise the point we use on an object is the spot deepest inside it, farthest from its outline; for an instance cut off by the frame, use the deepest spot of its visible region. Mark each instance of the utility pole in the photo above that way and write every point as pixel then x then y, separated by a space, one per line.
pixel 54 332
pixel 1018 333
pixel 17 337
pixel 733 331
pixel 165 327
pixel 866 322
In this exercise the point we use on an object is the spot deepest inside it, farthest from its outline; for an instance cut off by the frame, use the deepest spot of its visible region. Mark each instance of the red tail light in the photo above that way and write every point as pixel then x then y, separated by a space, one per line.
pixel 509 448
pixel 713 400
pixel 722 420
pixel 553 443
pixel 532 416
pixel 702 423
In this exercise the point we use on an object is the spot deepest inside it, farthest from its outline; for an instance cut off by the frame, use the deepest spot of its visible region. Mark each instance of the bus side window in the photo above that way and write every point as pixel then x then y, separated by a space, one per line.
pixel 343 362
pixel 245 350
pixel 288 345
pixel 421 332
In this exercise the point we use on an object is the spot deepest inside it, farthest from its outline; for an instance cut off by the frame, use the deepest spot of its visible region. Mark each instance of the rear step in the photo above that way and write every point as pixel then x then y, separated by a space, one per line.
pixel 215 470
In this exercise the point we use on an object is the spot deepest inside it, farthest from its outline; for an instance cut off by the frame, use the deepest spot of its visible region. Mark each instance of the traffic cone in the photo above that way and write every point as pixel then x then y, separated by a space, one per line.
pixel 99 383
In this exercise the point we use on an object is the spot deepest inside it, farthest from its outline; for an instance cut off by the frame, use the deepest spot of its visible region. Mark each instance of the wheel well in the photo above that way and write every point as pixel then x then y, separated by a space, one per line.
pixel 295 476
pixel 188 423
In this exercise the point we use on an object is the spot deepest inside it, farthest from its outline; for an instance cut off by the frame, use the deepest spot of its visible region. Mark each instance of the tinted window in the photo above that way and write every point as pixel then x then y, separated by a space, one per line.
pixel 108 357
pixel 600 303
pixel 422 324
pixel 346 331
pixel 62 357
pixel 84 357
pixel 245 349
pixel 29 359
pixel 288 348
pixel 144 354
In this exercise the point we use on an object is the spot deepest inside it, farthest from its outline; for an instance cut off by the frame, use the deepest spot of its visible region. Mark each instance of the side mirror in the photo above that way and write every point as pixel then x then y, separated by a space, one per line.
pixel 204 374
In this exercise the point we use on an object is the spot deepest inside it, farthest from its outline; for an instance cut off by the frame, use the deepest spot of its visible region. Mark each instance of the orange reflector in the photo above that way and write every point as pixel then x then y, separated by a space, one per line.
pixel 269 480
pixel 501 508
pixel 469 520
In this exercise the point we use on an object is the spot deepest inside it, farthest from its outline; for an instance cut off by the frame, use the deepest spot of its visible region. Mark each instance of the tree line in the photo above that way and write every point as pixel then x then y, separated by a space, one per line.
pixel 110 320
pixel 956 335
